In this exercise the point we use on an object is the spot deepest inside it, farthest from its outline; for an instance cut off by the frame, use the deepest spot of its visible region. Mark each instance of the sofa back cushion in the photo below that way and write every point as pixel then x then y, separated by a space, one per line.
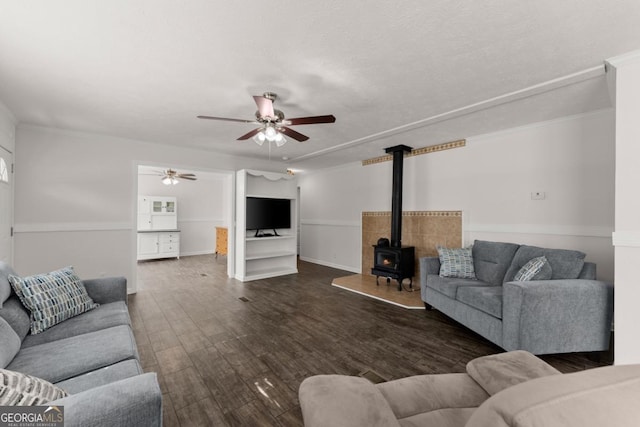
pixel 10 343
pixel 5 287
pixel 588 271
pixel 492 259
pixel 565 264
pixel 598 397
pixel 14 313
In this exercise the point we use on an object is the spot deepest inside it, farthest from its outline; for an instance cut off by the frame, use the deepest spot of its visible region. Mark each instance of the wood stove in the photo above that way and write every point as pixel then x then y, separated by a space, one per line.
pixel 393 260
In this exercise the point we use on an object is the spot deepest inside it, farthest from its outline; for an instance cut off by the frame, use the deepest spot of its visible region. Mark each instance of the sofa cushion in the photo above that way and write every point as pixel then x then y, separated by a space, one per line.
pixel 16 316
pixel 66 358
pixel 456 262
pixel 18 389
pixel 449 285
pixel 102 376
pixel 496 372
pixel 485 298
pixel 52 298
pixel 565 264
pixel 5 287
pixel 492 259
pixel 103 317
pixel 9 343
pixel 536 269
pixel 425 399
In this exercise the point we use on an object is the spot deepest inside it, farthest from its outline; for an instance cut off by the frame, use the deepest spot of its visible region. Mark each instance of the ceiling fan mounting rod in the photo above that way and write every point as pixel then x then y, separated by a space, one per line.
pixel 270 95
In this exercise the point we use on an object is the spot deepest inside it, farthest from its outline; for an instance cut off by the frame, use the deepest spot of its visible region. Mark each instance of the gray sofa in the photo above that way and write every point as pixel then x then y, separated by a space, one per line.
pixel 514 389
pixel 568 312
pixel 92 356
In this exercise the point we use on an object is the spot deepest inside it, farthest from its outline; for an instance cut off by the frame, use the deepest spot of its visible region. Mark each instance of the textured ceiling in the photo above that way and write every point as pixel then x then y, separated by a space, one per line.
pixel 144 69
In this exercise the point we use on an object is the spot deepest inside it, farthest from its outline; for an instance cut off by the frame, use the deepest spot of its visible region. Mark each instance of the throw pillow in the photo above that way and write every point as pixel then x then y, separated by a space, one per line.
pixel 531 269
pixel 456 263
pixel 18 389
pixel 52 298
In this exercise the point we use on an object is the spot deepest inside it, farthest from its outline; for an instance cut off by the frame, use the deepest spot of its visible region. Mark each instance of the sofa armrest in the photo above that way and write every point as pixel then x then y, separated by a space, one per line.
pixel 107 289
pixel 557 316
pixel 428 265
pixel 340 400
pixel 135 402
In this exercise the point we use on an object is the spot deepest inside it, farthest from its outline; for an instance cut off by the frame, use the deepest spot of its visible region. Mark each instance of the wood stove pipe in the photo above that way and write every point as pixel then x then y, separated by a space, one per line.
pixel 396 193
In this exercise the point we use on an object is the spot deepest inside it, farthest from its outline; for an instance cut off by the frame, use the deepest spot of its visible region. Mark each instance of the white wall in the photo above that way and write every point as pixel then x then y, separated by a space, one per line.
pixel 7 128
pixel 202 206
pixel 75 197
pixel 491 180
pixel 626 70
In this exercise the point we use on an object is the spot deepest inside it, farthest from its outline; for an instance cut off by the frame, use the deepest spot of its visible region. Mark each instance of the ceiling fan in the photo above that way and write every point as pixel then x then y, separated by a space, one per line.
pixel 273 125
pixel 170 176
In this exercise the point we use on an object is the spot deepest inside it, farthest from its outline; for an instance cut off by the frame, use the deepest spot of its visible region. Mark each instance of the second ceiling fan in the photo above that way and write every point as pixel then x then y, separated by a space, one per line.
pixel 273 124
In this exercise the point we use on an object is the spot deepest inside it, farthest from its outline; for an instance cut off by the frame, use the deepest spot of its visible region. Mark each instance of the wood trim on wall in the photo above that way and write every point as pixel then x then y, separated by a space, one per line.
pixel 418 151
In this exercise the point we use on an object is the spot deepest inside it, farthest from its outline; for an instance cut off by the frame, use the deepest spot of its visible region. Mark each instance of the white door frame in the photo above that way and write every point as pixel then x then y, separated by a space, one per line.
pixel 6 252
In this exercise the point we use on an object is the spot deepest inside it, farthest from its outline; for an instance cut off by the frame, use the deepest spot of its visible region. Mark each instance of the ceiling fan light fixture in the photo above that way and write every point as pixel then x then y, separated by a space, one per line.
pixel 259 138
pixel 270 132
pixel 280 140
pixel 170 180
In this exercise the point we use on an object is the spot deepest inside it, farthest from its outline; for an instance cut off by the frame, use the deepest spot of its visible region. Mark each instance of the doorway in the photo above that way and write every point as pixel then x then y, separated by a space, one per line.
pixel 193 208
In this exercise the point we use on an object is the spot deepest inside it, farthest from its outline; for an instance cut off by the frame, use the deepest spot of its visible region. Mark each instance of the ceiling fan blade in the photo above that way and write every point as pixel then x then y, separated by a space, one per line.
pixel 191 178
pixel 185 174
pixel 225 119
pixel 293 134
pixel 265 106
pixel 311 120
pixel 249 134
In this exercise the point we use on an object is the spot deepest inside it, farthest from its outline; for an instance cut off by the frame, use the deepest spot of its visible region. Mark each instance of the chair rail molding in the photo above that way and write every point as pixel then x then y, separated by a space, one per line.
pixel 629 239
pixel 60 227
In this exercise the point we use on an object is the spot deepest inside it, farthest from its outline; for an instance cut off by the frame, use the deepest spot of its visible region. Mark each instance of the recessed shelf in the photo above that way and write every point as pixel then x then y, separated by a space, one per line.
pixel 270 255
pixel 263 273
pixel 282 236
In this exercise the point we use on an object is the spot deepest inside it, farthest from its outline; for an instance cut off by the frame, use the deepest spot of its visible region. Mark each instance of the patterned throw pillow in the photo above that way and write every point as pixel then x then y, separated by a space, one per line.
pixel 52 298
pixel 18 389
pixel 530 269
pixel 456 263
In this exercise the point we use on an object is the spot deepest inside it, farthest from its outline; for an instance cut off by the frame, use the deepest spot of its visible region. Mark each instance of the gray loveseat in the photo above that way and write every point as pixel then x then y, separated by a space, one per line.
pixel 92 356
pixel 568 312
pixel 514 389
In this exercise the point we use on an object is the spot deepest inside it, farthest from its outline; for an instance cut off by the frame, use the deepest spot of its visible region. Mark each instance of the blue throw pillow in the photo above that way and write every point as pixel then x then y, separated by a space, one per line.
pixel 52 298
pixel 456 263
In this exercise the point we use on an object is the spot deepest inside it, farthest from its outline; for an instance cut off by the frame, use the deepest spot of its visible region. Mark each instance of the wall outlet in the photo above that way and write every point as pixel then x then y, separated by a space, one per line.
pixel 538 195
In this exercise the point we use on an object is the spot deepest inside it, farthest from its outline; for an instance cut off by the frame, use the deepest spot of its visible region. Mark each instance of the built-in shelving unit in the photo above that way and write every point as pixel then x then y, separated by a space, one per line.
pixel 270 256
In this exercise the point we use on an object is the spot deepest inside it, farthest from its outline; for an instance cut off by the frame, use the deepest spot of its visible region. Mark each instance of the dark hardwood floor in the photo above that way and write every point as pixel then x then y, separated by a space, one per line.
pixel 233 353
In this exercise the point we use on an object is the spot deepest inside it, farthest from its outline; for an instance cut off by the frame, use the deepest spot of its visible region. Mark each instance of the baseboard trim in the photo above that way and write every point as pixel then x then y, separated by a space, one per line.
pixel 331 264
pixel 192 253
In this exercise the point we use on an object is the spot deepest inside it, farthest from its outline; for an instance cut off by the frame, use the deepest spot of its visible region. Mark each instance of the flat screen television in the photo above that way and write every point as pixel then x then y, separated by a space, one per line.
pixel 268 214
